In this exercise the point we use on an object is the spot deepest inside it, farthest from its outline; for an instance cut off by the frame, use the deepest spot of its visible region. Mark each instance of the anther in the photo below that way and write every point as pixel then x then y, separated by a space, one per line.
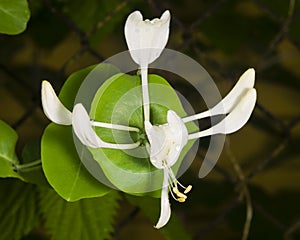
pixel 188 189
pixel 181 195
pixel 181 199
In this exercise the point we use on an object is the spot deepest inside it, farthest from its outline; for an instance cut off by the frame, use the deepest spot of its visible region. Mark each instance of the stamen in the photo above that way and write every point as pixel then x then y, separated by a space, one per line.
pixel 181 195
pixel 188 189
pixel 172 193
pixel 113 126
pixel 181 200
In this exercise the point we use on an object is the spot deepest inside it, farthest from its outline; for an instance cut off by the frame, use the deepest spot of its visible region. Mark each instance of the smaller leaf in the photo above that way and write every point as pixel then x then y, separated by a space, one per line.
pixel 8 157
pixel 18 210
pixel 82 220
pixel 14 16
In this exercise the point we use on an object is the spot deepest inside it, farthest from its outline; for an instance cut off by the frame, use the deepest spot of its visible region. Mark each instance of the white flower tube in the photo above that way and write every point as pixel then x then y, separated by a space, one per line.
pixel 146 39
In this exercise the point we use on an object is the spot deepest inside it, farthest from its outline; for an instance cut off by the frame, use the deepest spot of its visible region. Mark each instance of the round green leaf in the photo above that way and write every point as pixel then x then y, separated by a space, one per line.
pixel 14 15
pixel 63 168
pixel 119 101
pixel 61 164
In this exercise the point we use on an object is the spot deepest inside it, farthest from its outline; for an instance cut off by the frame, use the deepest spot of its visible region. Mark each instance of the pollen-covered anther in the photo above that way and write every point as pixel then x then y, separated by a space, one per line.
pixel 188 189
pixel 179 194
pixel 181 199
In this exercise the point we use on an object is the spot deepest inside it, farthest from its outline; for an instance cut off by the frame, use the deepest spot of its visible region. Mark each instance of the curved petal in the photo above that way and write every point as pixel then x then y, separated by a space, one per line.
pixel 177 136
pixel 166 141
pixel 52 106
pixel 156 138
pixel 83 129
pixel 245 83
pixel 146 39
pixel 165 209
pixel 235 120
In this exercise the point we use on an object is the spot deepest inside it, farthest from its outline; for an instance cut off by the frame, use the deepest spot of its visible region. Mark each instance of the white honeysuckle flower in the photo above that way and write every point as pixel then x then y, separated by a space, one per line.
pixel 59 114
pixel 167 141
pixel 84 131
pixel 146 39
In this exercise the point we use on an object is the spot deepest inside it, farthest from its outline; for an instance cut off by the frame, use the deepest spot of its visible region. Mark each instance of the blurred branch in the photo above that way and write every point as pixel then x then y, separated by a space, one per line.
pixel 84 38
pixel 219 219
pixel 244 190
pixel 269 216
pixel 108 17
pixel 208 13
pixel 283 29
pixel 289 232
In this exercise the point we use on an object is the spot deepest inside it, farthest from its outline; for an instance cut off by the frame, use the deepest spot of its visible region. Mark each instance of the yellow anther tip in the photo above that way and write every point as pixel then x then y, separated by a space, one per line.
pixel 188 189
pixel 175 190
pixel 181 199
pixel 181 195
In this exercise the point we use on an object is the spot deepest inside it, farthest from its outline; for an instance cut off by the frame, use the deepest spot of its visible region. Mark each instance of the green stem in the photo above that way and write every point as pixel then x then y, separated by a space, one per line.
pixel 28 166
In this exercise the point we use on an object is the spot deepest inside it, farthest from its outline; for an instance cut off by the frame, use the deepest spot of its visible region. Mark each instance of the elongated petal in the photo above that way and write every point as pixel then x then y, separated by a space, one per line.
pixel 84 131
pixel 245 83
pixel 156 136
pixel 146 39
pixel 53 108
pixel 165 209
pixel 235 120
pixel 177 136
pixel 166 141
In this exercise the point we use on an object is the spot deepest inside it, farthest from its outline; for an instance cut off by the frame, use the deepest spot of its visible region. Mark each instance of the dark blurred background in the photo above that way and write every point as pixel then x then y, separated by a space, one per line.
pixel 254 191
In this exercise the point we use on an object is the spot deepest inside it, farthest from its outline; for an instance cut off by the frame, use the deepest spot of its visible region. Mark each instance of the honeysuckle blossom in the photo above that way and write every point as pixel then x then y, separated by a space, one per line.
pixel 82 124
pixel 146 40
pixel 167 141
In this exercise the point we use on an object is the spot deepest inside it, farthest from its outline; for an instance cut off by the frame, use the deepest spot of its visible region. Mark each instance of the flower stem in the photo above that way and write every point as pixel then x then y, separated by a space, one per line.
pixel 28 166
pixel 113 126
pixel 145 92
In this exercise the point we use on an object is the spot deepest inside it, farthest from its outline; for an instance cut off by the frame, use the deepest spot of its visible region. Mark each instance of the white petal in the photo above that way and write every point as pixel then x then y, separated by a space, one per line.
pixel 156 136
pixel 235 120
pixel 53 108
pixel 166 141
pixel 146 39
pixel 177 136
pixel 84 131
pixel 165 209
pixel 245 83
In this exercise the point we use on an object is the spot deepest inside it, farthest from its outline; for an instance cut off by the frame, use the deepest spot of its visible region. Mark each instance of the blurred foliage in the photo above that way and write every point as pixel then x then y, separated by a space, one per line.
pixel 259 166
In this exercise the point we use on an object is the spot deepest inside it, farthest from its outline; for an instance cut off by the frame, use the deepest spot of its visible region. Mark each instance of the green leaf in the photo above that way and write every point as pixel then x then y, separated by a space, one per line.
pixel 83 220
pixel 14 15
pixel 8 157
pixel 18 211
pixel 63 168
pixel 61 164
pixel 151 208
pixel 119 100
